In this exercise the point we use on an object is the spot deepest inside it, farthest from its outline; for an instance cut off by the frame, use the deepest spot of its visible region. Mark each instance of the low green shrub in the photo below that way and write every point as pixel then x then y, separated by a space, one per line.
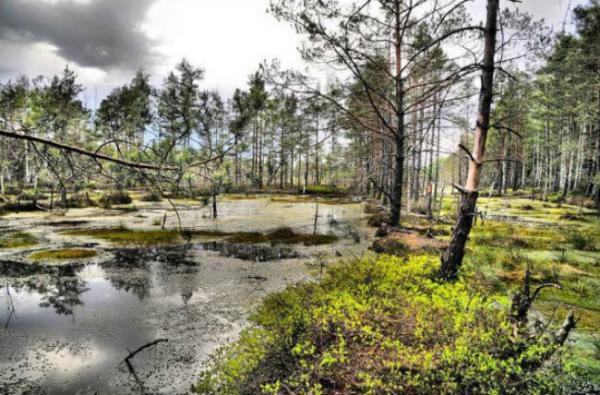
pixel 151 197
pixel 323 190
pixel 81 200
pixel 582 240
pixel 117 197
pixel 381 326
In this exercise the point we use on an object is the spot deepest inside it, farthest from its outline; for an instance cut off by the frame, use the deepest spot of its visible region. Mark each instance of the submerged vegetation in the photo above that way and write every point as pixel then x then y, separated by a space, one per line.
pixel 17 240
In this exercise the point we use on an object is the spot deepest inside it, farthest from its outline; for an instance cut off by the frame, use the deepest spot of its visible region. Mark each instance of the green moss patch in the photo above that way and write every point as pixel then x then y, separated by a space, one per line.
pixel 17 240
pixel 122 235
pixel 63 254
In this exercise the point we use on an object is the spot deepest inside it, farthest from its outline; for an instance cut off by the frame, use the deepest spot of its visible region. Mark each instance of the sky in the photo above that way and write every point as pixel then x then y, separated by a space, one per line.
pixel 106 41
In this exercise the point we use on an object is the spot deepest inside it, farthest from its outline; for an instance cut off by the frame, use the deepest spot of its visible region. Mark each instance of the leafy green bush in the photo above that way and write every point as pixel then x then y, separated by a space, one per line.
pixel 117 197
pixel 381 326
pixel 81 200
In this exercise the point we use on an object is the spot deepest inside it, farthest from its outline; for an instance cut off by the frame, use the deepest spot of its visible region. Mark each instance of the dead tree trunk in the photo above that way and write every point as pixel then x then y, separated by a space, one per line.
pixel 452 259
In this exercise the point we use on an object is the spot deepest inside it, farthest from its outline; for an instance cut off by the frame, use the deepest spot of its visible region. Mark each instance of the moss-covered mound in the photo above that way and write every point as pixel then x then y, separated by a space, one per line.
pixel 282 235
pixel 17 240
pixel 122 235
pixel 63 254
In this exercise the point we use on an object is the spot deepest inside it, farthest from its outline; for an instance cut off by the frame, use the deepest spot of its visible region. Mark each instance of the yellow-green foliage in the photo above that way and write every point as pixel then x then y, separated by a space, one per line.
pixel 499 253
pixel 16 240
pixel 64 254
pixel 380 326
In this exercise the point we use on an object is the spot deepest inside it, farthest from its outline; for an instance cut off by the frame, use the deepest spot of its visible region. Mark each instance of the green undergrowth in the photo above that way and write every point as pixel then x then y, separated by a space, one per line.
pixel 568 256
pixel 382 326
pixel 538 235
pixel 323 190
pixel 561 252
pixel 123 235
pixel 17 240
pixel 63 254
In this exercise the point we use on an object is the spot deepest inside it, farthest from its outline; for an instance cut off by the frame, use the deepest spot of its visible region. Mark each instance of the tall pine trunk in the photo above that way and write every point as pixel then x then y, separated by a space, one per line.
pixel 396 195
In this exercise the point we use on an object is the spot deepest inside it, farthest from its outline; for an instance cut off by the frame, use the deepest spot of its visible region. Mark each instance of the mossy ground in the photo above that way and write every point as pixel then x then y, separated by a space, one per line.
pixel 63 254
pixel 17 240
pixel 559 242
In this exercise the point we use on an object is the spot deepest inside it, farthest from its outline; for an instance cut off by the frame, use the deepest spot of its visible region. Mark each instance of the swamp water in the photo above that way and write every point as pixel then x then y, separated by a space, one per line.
pixel 66 329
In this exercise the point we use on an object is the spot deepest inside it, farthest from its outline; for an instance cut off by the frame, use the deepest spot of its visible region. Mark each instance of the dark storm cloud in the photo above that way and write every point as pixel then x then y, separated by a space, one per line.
pixel 100 33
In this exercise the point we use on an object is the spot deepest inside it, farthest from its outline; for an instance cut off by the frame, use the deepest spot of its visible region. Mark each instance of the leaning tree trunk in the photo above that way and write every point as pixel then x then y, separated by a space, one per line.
pixel 453 256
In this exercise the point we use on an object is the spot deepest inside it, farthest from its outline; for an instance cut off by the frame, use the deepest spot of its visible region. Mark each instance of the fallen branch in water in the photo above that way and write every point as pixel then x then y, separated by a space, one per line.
pixel 133 353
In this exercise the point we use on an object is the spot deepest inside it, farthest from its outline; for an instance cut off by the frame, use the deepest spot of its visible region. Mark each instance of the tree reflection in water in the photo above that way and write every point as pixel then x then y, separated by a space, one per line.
pixel 61 293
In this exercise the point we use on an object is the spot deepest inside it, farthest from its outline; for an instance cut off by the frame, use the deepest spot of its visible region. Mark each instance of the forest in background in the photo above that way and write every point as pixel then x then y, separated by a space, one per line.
pixel 282 132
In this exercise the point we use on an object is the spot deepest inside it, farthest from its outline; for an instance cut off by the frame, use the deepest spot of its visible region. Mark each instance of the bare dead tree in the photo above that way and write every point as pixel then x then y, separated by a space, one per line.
pixel 453 257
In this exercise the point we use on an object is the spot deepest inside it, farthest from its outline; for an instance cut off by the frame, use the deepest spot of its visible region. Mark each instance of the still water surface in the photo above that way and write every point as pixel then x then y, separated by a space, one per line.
pixel 67 331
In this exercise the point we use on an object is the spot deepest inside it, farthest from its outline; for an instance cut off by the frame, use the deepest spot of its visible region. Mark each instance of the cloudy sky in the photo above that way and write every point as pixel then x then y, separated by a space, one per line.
pixel 105 41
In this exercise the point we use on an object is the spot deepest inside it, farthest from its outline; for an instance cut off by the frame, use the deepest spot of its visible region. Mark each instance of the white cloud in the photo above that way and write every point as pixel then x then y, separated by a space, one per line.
pixel 227 38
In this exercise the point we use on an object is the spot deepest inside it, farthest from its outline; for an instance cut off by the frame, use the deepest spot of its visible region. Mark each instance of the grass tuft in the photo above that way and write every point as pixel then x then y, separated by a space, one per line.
pixel 63 254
